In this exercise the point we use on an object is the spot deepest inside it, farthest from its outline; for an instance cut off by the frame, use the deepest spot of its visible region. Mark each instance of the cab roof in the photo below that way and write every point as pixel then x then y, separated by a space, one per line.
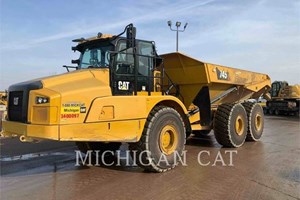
pixel 98 37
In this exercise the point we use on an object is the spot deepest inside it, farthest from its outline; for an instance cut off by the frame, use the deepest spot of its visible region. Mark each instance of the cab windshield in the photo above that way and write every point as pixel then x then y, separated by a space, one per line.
pixel 95 57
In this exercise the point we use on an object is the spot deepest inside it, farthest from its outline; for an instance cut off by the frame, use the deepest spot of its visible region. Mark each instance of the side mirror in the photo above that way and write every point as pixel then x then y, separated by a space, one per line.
pixel 130 35
pixel 75 61
pixel 74 48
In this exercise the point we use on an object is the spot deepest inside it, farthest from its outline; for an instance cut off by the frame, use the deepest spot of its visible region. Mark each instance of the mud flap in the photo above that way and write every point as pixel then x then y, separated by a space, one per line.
pixel 202 100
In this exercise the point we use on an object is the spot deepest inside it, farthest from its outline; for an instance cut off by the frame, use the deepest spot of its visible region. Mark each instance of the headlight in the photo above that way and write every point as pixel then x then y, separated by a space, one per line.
pixel 40 100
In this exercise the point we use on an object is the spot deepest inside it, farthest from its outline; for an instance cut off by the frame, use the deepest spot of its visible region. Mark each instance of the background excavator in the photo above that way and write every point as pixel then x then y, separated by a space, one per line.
pixel 285 99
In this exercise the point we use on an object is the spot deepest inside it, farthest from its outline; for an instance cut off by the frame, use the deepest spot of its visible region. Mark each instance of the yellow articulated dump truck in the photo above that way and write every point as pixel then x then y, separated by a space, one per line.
pixel 122 91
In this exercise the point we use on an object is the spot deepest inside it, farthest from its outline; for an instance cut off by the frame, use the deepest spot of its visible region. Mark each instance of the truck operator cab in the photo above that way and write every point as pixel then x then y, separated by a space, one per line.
pixel 132 63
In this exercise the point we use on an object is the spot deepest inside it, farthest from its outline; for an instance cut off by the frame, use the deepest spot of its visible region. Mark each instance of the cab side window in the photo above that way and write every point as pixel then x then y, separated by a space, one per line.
pixel 145 59
pixel 124 59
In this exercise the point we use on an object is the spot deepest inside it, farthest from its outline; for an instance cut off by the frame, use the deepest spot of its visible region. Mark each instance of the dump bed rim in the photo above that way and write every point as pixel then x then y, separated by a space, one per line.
pixel 180 53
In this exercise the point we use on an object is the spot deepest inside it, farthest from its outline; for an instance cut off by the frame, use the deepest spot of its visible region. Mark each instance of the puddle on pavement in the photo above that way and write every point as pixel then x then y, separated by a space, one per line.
pixel 31 156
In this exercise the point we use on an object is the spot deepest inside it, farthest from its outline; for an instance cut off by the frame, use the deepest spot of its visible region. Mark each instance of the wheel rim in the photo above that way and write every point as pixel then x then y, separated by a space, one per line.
pixel 168 139
pixel 239 126
pixel 258 122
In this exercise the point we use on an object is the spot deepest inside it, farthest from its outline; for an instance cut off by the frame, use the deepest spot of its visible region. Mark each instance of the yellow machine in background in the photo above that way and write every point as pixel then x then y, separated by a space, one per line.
pixel 3 98
pixel 122 91
pixel 3 105
pixel 285 99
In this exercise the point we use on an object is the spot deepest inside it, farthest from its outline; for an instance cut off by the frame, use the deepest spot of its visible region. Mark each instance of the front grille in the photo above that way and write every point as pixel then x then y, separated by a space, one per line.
pixel 18 98
pixel 15 106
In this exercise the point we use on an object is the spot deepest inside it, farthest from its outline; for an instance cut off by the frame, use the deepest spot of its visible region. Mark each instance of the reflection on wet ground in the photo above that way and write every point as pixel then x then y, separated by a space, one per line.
pixel 31 156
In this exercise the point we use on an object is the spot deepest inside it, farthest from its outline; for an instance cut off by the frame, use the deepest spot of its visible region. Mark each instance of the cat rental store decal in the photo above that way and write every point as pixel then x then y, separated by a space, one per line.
pixel 72 110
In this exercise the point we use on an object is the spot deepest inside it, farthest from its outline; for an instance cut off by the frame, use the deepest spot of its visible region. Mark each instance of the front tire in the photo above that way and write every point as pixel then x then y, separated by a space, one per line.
pixel 162 140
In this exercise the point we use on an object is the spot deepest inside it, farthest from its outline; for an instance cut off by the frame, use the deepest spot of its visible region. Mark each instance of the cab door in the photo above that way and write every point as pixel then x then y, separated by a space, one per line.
pixel 123 70
pixel 132 70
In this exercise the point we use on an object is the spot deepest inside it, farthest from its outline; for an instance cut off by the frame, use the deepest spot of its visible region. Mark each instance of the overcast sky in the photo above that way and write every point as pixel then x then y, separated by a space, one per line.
pixel 257 35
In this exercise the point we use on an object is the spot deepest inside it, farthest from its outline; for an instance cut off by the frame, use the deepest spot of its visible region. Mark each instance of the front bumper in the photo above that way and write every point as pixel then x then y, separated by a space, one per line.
pixel 114 131
pixel 14 129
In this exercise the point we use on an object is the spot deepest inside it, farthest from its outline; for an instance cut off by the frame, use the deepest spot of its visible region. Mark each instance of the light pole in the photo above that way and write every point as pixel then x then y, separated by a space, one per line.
pixel 178 24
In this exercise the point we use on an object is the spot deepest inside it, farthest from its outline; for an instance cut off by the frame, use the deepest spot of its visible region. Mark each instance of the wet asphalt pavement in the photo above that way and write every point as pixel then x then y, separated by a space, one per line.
pixel 269 169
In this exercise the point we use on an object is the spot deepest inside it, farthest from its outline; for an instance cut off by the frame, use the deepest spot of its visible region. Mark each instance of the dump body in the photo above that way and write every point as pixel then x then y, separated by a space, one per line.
pixel 191 75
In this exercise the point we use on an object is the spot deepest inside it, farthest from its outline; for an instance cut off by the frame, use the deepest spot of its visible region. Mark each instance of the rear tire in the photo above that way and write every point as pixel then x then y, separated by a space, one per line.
pixel 255 116
pixel 163 135
pixel 230 125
